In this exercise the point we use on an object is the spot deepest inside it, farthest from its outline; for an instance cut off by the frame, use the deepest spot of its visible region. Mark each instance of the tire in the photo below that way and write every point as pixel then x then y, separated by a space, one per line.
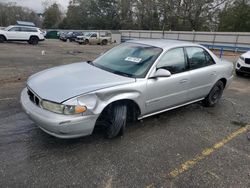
pixel 33 40
pixel 2 39
pixel 80 43
pixel 117 121
pixel 104 42
pixel 214 96
pixel 86 41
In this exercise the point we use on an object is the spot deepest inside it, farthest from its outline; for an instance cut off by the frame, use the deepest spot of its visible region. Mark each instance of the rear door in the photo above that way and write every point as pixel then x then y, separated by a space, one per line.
pixel 163 93
pixel 202 72
pixel 27 32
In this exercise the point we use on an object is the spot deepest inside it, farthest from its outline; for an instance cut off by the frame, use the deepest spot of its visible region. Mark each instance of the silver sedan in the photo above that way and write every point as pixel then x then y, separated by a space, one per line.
pixel 132 81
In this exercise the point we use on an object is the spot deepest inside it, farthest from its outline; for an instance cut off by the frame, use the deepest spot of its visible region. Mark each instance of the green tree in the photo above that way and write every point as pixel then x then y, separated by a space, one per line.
pixel 235 17
pixel 104 14
pixel 52 16
pixel 10 13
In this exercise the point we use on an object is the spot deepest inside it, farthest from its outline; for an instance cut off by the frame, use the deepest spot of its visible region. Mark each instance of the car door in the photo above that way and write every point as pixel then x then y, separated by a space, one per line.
pixel 13 33
pixel 167 92
pixel 26 33
pixel 93 38
pixel 202 72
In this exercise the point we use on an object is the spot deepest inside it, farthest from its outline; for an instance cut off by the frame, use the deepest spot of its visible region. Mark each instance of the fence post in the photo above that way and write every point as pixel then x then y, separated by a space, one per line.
pixel 221 52
pixel 237 39
pixel 214 40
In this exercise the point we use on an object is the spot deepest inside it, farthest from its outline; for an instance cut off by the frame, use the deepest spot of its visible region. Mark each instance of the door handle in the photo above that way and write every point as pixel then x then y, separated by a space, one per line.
pixel 183 81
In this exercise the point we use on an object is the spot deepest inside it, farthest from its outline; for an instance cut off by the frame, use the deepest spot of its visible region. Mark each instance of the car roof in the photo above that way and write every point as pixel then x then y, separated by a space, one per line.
pixel 23 26
pixel 163 43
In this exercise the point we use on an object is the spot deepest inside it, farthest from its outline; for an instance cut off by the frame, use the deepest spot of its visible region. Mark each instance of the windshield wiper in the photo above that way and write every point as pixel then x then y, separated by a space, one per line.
pixel 91 63
pixel 123 74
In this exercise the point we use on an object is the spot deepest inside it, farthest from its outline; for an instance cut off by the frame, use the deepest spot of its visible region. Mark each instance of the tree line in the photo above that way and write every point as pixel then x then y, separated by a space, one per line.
pixel 10 13
pixel 178 15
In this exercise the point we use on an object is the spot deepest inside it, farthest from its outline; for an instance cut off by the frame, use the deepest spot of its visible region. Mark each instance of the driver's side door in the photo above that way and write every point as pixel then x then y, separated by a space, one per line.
pixel 167 92
pixel 93 39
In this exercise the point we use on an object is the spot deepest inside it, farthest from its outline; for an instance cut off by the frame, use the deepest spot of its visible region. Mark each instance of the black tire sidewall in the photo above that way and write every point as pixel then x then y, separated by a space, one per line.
pixel 117 117
pixel 104 42
pixel 33 40
pixel 2 39
pixel 209 100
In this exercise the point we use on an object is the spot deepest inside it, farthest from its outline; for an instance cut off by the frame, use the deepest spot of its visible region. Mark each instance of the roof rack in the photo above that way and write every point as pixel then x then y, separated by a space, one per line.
pixel 23 23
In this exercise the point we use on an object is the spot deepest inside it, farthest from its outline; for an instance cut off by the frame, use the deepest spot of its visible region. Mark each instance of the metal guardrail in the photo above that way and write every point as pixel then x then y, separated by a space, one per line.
pixel 225 41
pixel 213 40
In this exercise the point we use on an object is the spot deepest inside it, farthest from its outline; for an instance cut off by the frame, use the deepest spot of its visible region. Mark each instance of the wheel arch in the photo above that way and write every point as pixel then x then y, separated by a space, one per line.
pixel 34 36
pixel 133 108
pixel 5 38
pixel 224 81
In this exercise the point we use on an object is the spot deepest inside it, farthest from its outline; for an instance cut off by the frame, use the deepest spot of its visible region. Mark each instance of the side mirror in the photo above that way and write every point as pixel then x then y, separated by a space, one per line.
pixel 161 73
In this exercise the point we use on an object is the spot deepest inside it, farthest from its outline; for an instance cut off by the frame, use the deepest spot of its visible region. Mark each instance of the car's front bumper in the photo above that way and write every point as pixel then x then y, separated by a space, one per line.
pixel 242 67
pixel 58 125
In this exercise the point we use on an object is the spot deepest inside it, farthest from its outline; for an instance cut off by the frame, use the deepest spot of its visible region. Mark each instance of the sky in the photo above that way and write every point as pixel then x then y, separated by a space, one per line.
pixel 36 5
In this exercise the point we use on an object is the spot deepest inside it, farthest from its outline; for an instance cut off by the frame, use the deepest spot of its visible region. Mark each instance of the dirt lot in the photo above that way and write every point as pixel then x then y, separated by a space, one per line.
pixel 188 147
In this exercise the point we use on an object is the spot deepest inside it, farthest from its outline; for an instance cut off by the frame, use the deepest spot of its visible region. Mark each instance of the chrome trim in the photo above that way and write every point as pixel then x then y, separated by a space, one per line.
pixel 168 109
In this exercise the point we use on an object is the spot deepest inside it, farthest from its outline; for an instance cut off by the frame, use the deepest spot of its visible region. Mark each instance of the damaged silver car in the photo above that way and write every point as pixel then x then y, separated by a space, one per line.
pixel 132 81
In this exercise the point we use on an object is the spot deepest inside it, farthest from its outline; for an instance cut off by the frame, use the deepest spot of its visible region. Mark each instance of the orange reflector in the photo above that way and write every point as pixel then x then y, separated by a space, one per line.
pixel 80 109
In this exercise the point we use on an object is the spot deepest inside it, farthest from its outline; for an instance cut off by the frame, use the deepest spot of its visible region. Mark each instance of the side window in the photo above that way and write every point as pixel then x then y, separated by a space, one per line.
pixel 198 58
pixel 173 61
pixel 13 29
pixel 94 35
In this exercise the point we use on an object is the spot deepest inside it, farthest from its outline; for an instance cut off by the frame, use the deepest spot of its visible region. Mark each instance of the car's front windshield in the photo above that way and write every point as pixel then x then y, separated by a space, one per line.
pixel 129 59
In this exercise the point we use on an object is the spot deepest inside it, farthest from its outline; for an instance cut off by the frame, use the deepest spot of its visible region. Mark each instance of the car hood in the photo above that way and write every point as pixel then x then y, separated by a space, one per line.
pixel 246 55
pixel 64 82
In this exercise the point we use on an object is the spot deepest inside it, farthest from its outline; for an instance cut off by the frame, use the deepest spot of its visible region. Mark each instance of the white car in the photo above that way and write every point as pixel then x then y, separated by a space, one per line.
pixel 22 33
pixel 243 64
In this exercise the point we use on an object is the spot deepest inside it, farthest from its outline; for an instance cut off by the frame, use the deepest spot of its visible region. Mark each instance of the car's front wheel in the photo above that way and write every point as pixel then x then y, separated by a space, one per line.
pixel 33 40
pixel 2 39
pixel 86 41
pixel 215 94
pixel 116 120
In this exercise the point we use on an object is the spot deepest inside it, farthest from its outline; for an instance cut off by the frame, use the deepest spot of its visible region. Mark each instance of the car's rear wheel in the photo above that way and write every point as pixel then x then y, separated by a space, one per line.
pixel 2 39
pixel 116 120
pixel 104 42
pixel 215 94
pixel 33 40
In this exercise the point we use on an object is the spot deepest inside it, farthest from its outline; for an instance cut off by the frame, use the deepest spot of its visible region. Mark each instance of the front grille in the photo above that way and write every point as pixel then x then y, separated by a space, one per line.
pixel 247 61
pixel 35 99
pixel 245 69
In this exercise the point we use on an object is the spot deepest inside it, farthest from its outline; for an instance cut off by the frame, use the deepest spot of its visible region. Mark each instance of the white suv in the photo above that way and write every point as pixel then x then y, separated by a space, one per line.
pixel 21 33
pixel 243 64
